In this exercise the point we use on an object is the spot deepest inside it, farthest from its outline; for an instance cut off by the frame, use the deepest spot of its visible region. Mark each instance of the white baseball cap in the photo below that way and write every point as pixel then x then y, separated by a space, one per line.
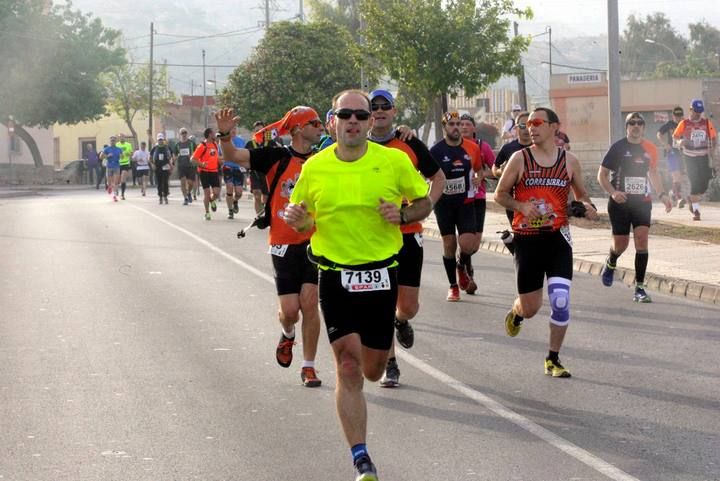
pixel 160 136
pixel 516 108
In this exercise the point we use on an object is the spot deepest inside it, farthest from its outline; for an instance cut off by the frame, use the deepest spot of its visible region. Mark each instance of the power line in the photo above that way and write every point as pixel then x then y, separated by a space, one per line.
pixel 186 65
pixel 232 33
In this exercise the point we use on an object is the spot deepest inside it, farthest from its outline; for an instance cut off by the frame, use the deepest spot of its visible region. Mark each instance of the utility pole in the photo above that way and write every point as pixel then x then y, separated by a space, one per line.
pixel 613 80
pixel 150 102
pixel 204 92
pixel 549 30
pixel 301 15
pixel 267 14
pixel 521 78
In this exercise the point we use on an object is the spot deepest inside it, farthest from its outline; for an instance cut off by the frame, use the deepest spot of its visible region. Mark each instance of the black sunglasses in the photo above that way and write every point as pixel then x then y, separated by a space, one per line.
pixel 635 122
pixel 384 107
pixel 345 114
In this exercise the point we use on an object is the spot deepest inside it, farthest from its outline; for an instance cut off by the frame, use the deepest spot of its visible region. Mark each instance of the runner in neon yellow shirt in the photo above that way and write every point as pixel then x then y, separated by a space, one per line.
pixel 352 192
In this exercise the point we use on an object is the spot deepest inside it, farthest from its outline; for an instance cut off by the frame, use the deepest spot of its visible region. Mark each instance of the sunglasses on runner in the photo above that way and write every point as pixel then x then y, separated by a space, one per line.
pixel 536 122
pixel 633 123
pixel 384 107
pixel 345 114
pixel 315 123
pixel 522 126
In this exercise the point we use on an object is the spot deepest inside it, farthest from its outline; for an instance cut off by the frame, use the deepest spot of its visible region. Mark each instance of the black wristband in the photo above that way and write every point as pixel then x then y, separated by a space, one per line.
pixel 223 134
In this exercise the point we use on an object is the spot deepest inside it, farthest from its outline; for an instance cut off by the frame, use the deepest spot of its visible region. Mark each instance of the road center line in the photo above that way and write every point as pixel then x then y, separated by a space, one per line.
pixel 519 420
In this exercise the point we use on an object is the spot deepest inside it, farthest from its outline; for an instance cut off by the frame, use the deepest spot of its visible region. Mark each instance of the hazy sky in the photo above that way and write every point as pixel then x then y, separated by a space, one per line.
pixel 173 20
pixel 572 18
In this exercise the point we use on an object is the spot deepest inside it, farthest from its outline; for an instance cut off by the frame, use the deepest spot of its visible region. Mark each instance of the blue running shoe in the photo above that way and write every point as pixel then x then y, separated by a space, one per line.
pixel 607 274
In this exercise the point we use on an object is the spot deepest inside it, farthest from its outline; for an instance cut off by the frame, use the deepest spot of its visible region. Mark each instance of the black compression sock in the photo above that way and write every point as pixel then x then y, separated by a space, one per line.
pixel 449 263
pixel 553 356
pixel 122 188
pixel 613 257
pixel 641 262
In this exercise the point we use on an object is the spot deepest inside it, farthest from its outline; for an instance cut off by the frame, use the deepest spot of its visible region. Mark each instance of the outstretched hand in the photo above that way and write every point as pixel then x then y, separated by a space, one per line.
pixel 226 120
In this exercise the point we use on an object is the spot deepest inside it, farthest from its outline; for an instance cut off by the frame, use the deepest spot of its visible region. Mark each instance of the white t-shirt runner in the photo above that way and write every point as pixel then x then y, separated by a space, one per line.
pixel 142 158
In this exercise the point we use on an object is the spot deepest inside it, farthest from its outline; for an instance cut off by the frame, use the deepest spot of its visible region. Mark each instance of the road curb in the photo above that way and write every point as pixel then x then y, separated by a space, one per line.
pixel 696 291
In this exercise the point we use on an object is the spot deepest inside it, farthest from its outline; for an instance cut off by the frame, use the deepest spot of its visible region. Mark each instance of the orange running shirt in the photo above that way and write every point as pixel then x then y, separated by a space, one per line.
pixel 207 152
pixel 267 160
pixel 547 188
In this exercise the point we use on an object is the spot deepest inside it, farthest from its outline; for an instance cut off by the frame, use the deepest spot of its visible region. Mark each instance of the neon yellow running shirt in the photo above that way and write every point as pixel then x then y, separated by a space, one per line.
pixel 127 149
pixel 343 197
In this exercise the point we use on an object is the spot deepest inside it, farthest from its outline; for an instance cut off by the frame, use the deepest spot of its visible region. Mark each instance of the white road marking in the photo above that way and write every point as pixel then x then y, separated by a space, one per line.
pixel 521 421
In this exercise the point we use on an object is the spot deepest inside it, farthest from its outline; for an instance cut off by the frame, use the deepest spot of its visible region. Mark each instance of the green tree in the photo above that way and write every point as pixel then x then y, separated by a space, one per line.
pixel 436 47
pixel 50 66
pixel 705 47
pixel 345 13
pixel 650 43
pixel 293 64
pixel 128 88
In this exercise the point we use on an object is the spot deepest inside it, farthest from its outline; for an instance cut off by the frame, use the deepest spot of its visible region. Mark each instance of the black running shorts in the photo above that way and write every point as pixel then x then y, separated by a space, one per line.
pixel 258 182
pixel 410 260
pixel 187 171
pixel 547 254
pixel 293 268
pixel 633 213
pixel 209 179
pixel 452 216
pixel 369 314
pixel 480 208
pixel 699 174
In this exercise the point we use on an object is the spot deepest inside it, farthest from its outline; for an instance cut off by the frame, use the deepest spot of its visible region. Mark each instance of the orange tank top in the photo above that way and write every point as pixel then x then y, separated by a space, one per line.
pixel 280 232
pixel 547 188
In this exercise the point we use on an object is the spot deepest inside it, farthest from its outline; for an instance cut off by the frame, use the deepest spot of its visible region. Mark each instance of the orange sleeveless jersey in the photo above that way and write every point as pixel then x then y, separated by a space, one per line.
pixel 547 188
pixel 415 227
pixel 280 231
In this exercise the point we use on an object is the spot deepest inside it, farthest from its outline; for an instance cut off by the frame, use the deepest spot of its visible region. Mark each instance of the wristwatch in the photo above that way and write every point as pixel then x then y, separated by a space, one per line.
pixel 403 217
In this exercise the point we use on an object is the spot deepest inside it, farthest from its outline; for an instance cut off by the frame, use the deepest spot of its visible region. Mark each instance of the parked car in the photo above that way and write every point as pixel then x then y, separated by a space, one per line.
pixel 74 172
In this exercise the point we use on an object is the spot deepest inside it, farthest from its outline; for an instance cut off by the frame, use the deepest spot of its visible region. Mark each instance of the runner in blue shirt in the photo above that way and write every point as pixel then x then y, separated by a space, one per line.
pixel 111 155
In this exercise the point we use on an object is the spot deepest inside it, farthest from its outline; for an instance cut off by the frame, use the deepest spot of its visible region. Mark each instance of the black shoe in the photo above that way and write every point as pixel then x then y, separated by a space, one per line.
pixel 365 469
pixel 404 333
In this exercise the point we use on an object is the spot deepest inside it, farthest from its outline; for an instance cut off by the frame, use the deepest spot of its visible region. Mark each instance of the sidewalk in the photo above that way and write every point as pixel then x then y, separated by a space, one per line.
pixel 679 267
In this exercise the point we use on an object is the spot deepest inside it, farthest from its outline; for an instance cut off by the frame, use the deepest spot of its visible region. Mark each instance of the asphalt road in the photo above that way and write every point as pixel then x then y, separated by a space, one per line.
pixel 137 343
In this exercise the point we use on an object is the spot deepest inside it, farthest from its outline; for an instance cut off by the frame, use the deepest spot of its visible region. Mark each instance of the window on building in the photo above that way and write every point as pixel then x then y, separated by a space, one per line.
pixel 483 104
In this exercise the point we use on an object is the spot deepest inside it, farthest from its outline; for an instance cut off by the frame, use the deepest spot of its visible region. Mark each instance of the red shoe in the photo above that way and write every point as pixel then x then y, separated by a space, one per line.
pixel 453 294
pixel 309 378
pixel 472 286
pixel 463 277
pixel 283 353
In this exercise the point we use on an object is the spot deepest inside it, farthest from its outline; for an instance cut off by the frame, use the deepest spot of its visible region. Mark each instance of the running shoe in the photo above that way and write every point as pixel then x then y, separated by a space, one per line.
pixel 513 323
pixel 207 216
pixel 472 286
pixel 231 215
pixel 696 214
pixel 309 377
pixel 453 294
pixel 236 208
pixel 463 278
pixel 160 200
pixel 189 198
pixel 143 193
pixel 213 205
pixel 365 469
pixel 283 352
pixel 391 377
pixel 555 369
pixel 641 295
pixel 607 274
pixel 404 333
pixel 185 201
pixel 166 201
pixel 680 203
